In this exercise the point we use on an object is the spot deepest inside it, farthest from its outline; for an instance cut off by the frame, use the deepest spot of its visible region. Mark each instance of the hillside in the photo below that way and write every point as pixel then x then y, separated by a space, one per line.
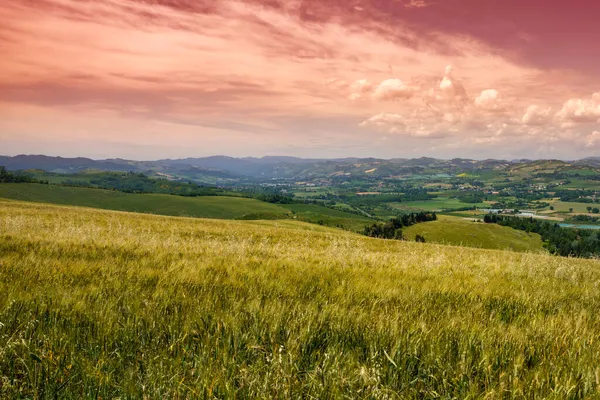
pixel 328 217
pixel 464 232
pixel 223 168
pixel 103 304
pixel 203 206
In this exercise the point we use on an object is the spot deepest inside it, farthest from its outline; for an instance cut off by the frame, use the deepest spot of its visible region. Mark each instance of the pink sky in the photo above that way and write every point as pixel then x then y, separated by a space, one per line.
pixel 147 79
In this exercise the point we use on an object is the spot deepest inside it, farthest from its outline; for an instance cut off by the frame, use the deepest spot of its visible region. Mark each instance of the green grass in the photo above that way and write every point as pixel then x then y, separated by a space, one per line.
pixel 435 205
pixel 564 206
pixel 326 216
pixel 464 232
pixel 582 184
pixel 103 304
pixel 204 207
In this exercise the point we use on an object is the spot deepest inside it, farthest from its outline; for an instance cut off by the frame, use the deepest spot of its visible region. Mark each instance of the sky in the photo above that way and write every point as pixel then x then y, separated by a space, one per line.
pixel 150 79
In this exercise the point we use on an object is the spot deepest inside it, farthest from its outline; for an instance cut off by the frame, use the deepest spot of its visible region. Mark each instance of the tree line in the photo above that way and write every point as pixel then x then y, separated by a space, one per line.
pixel 568 242
pixel 392 229
pixel 9 177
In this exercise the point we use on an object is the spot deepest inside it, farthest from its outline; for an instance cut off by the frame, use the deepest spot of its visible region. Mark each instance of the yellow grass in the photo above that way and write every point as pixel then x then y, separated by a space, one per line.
pixel 103 304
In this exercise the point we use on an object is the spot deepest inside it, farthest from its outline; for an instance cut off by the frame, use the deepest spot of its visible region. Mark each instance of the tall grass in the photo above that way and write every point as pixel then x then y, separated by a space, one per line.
pixel 100 304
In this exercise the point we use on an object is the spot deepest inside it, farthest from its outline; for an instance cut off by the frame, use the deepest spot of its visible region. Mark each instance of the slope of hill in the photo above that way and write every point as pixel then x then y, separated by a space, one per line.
pixel 203 206
pixel 464 232
pixel 106 304
pixel 328 217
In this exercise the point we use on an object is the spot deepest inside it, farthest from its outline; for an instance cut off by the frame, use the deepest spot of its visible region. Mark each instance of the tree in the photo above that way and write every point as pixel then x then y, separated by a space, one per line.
pixel 589 209
pixel 571 209
pixel 551 208
pixel 419 239
pixel 596 210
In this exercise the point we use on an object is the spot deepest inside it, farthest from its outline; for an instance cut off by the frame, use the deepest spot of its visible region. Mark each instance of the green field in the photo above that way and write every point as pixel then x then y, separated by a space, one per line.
pixel 203 207
pixel 464 232
pixel 583 184
pixel 326 216
pixel 564 206
pixel 436 204
pixel 103 304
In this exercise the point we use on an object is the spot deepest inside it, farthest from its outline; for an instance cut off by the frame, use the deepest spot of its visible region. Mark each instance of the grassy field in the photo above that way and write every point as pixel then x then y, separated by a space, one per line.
pixel 203 207
pixel 435 205
pixel 329 217
pixel 103 304
pixel 463 232
pixel 564 206
pixel 583 184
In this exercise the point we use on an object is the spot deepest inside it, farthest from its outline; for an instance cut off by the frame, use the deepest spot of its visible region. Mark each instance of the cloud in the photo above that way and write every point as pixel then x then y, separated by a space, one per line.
pixel 536 115
pixel 386 122
pixel 260 67
pixel 416 125
pixel 593 140
pixel 450 92
pixel 416 4
pixel 451 88
pixel 393 89
pixel 448 111
pixel 360 89
pixel 580 110
pixel 489 100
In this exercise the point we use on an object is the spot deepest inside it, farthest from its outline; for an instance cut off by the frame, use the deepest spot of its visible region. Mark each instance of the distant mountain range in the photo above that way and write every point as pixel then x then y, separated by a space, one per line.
pixel 231 168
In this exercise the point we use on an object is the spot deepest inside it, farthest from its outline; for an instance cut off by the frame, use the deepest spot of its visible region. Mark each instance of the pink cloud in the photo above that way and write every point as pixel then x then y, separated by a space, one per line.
pixel 489 100
pixel 393 89
pixel 536 115
pixel 580 110
pixel 593 140
pixel 266 69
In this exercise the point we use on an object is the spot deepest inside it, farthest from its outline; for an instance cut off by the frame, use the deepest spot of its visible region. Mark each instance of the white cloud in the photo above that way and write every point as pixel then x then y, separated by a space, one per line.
pixel 393 89
pixel 416 4
pixel 360 88
pixel 415 125
pixel 593 140
pixel 580 110
pixel 536 115
pixel 450 93
pixel 386 122
pixel 489 100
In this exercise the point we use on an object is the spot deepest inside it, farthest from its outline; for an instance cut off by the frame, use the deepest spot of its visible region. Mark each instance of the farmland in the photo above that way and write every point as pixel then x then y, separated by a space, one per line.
pixel 106 304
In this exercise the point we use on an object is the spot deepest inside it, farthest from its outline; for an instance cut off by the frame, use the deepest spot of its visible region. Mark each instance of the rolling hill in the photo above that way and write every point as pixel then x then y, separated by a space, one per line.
pixel 224 168
pixel 205 206
pixel 105 304
pixel 464 232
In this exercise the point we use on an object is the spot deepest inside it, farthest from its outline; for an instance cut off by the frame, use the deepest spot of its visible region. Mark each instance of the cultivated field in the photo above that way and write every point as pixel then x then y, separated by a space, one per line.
pixel 103 304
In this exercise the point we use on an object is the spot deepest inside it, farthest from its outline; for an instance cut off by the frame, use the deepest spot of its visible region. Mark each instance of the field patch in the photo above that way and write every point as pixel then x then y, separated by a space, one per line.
pixel 436 204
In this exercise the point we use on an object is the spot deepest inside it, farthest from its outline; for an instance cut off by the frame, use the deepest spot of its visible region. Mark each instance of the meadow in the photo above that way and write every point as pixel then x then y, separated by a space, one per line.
pixel 459 231
pixel 104 304
pixel 203 206
pixel 326 216
pixel 437 204
pixel 566 206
